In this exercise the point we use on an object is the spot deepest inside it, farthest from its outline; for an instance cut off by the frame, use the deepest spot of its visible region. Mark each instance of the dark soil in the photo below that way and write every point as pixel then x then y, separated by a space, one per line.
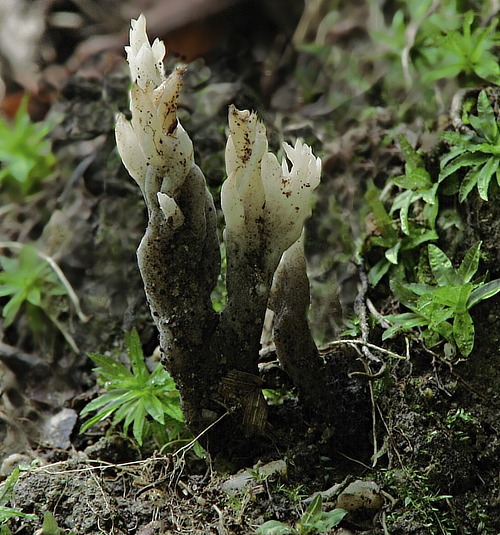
pixel 422 427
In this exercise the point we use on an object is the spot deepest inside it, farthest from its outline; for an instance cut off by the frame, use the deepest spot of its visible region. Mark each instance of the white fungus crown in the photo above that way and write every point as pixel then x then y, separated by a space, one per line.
pixel 259 190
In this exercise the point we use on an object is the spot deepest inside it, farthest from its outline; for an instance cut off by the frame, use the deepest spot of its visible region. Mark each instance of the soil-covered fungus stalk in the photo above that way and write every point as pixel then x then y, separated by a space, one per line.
pixel 179 255
pixel 213 357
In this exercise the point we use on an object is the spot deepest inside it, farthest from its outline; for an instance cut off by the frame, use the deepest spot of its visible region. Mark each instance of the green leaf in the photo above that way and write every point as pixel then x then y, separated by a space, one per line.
pixel 333 518
pixel 442 326
pixel 154 407
pixel 11 512
pixel 50 526
pixel 405 321
pixel 7 487
pixel 174 410
pixel 11 309
pixel 416 239
pixel 463 332
pixel 313 512
pixel 456 138
pixel 419 288
pixel 432 311
pixel 34 296
pixel 402 203
pixel 378 271
pixel 468 183
pixel 273 527
pixel 135 354
pixel 483 292
pixel 484 176
pixel 392 253
pixel 403 293
pixel 99 417
pixel 9 289
pixel 135 397
pixel 430 195
pixel 465 160
pixel 441 267
pixel 139 417
pixel 485 123
pixel 445 71
pixel 411 156
pixel 486 148
pixel 110 400
pixel 470 264
pixel 382 218
pixel 109 368
pixel 455 297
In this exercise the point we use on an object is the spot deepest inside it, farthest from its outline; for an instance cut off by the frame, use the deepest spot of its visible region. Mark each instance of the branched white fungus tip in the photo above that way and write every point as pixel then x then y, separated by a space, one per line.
pixel 154 130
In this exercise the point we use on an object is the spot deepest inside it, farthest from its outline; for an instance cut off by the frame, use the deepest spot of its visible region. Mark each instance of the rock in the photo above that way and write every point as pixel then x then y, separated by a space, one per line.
pixel 57 430
pixel 360 494
pixel 247 478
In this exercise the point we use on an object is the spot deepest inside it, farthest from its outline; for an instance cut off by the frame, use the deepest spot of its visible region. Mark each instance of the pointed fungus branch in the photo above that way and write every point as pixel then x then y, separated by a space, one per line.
pixel 213 357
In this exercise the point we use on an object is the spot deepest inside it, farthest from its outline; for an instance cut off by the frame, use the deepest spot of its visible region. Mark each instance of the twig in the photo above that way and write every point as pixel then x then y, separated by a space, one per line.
pixel 374 414
pixel 355 460
pixel 13 356
pixel 102 465
pixel 456 112
pixel 64 332
pixel 377 315
pixel 190 444
pixel 355 342
pixel 384 523
pixel 360 310
pixel 410 34
pixel 220 527
pixel 376 375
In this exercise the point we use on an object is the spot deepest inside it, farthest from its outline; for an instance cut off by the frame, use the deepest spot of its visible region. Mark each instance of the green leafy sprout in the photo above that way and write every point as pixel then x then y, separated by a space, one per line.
pixel 28 280
pixel 467 52
pixel 442 309
pixel 25 153
pixel 417 206
pixel 313 521
pixel 410 34
pixel 480 152
pixel 7 513
pixel 149 402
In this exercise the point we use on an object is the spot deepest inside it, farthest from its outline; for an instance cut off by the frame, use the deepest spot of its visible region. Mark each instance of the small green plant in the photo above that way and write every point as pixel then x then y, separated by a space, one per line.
pixel 6 513
pixel 467 52
pixel 28 280
pixel 442 309
pixel 135 396
pixel 293 494
pixel 480 152
pixel 417 186
pixel 25 153
pixel 417 205
pixel 314 520
pixel 410 35
pixel 49 526
pixel 421 501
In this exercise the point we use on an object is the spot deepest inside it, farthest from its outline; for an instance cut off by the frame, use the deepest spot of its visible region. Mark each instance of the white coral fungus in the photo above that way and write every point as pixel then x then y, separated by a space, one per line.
pixel 260 195
pixel 154 137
